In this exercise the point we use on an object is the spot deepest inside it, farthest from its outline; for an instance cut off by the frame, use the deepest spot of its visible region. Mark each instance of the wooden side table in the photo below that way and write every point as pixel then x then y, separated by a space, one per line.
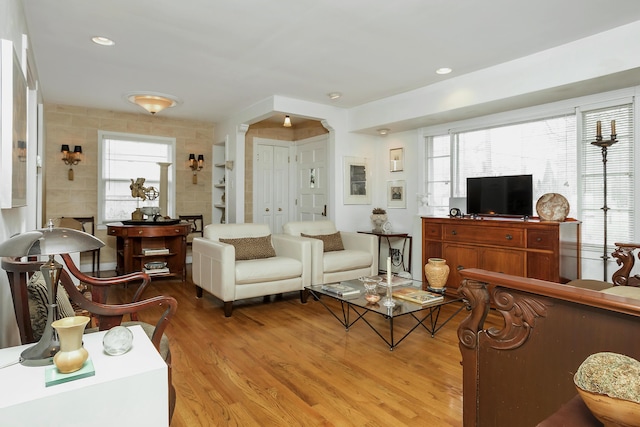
pixel 131 240
pixel 388 236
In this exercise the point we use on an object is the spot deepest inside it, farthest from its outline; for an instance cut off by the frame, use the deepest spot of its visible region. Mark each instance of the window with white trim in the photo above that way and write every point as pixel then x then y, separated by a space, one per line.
pixel 125 157
pixel 548 149
pixel 620 178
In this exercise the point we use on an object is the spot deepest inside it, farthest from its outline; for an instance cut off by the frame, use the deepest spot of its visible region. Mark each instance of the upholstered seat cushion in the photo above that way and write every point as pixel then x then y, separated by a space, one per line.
pixel 623 291
pixel 345 260
pixel 267 270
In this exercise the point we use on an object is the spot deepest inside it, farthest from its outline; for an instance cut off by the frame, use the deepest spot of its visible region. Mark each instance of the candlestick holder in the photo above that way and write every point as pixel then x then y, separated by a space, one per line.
pixel 388 300
pixel 604 146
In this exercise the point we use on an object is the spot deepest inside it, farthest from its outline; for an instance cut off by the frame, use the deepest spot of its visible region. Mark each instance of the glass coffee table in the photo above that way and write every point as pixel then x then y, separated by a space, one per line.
pixel 355 307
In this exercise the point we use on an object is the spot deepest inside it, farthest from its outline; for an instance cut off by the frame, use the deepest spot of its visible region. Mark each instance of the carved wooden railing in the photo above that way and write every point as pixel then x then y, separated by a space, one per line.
pixel 521 372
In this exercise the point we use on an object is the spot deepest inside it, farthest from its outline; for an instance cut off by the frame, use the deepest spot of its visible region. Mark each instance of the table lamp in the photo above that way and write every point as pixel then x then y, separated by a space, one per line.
pixel 48 241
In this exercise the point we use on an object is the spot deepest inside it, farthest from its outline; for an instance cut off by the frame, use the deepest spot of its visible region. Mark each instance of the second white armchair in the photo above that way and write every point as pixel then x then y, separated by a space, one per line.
pixel 336 255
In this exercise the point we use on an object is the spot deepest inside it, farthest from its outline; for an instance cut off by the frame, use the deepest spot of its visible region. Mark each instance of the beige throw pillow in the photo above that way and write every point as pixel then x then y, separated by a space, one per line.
pixel 252 247
pixel 332 242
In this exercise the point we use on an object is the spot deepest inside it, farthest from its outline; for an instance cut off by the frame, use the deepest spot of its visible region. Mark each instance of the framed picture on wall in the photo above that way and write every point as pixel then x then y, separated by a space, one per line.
pixel 396 159
pixel 396 194
pixel 357 189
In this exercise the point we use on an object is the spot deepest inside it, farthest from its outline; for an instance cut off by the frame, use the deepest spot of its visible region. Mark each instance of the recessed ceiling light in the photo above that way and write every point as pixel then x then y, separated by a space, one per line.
pixel 443 70
pixel 383 131
pixel 102 41
pixel 334 95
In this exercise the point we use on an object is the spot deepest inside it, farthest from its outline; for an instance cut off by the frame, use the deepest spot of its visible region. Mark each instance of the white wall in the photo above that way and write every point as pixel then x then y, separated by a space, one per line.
pixel 595 64
pixel 15 220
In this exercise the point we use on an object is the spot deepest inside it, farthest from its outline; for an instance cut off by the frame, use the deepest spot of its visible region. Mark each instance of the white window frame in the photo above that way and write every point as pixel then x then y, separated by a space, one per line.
pixel 171 190
pixel 612 98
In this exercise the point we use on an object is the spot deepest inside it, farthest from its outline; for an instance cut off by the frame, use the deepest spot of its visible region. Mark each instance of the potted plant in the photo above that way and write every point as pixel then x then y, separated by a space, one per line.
pixel 378 217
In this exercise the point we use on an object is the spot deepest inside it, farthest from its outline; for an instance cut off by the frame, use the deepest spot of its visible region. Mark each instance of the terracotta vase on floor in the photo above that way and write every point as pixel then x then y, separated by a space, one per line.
pixel 72 354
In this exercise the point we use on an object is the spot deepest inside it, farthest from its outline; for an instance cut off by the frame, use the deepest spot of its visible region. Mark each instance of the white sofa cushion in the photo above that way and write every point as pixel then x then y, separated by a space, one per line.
pixel 295 228
pixel 235 231
pixel 345 260
pixel 267 270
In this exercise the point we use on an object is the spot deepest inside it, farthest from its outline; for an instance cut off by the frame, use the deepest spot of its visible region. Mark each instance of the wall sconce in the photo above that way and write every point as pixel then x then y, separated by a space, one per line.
pixel 70 158
pixel 22 151
pixel 196 165
pixel 287 122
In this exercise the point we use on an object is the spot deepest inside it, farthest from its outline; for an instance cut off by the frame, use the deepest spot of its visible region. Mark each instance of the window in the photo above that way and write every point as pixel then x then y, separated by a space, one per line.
pixel 126 157
pixel 620 178
pixel 548 149
pixel 439 174
pixel 544 148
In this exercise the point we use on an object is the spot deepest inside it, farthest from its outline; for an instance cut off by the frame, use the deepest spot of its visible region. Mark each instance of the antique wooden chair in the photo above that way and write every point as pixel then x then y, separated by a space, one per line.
pixel 197 225
pixel 106 315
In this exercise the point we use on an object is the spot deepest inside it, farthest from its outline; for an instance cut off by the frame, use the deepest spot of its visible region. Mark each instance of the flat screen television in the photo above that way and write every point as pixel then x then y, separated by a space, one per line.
pixel 500 195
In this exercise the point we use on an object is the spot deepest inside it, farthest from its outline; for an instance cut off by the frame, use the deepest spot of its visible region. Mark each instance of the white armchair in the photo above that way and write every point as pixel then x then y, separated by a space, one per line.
pixel 358 258
pixel 285 266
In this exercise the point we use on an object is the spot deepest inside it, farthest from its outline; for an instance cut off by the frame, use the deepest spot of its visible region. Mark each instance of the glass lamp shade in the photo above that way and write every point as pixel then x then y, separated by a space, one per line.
pixel 48 241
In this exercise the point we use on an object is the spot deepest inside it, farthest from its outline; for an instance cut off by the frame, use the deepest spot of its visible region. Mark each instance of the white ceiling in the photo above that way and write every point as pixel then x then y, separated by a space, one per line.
pixel 220 57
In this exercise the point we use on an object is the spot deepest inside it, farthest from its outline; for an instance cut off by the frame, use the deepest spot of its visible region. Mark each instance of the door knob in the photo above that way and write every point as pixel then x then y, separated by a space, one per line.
pixel 279 209
pixel 267 210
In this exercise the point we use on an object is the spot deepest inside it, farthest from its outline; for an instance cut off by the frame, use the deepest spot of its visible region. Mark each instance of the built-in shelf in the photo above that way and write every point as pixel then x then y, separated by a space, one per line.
pixel 220 180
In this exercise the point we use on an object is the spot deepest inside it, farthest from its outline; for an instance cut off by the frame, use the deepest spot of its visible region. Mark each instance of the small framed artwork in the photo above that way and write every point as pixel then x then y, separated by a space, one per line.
pixel 397 194
pixel 396 159
pixel 356 184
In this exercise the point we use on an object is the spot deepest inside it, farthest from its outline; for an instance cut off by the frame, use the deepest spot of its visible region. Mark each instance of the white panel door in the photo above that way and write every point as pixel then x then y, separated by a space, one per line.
pixel 272 189
pixel 280 188
pixel 264 190
pixel 312 180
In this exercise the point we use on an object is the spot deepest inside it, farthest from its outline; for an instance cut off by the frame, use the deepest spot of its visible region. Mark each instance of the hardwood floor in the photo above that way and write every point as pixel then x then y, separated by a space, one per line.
pixel 287 363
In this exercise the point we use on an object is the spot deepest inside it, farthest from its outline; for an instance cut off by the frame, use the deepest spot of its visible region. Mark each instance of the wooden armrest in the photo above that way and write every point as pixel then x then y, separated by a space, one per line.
pixel 100 285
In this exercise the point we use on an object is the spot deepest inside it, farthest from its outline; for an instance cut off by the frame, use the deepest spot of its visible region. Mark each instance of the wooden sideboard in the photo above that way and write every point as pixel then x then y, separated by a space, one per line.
pixel 536 249
pixel 132 239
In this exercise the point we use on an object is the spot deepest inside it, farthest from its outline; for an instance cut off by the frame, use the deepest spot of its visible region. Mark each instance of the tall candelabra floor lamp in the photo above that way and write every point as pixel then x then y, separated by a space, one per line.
pixel 604 146
pixel 49 242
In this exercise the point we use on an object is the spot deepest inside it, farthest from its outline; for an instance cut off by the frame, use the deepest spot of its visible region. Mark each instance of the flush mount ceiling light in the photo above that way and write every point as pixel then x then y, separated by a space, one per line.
pixel 153 102
pixel 334 95
pixel 287 122
pixel 383 131
pixel 103 41
pixel 443 70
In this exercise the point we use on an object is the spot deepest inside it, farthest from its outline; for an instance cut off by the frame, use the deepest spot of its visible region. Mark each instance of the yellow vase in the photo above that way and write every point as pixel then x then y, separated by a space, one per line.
pixel 72 354
pixel 437 272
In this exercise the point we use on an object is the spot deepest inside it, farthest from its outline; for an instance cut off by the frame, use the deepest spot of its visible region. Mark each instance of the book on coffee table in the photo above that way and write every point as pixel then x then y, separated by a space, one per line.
pixel 340 289
pixel 417 295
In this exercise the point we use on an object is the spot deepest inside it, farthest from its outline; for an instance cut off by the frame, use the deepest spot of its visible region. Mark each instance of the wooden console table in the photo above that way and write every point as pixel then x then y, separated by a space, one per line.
pixel 132 239
pixel 537 249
